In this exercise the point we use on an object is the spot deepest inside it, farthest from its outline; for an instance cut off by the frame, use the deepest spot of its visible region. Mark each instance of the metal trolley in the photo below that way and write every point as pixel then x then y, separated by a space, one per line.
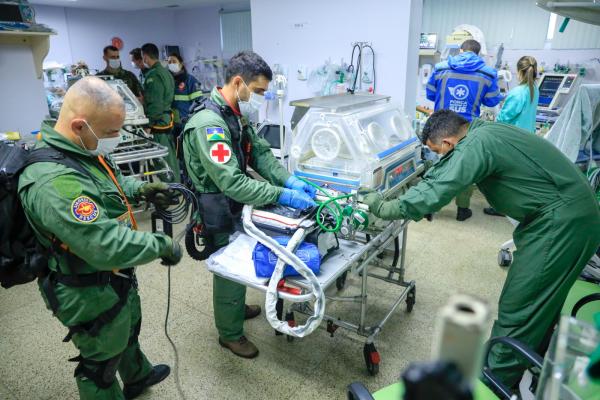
pixel 362 256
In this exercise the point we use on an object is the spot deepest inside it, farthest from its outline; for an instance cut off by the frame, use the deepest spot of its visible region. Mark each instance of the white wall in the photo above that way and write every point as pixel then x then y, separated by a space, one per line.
pixel 198 32
pixel 329 28
pixel 82 33
pixel 22 98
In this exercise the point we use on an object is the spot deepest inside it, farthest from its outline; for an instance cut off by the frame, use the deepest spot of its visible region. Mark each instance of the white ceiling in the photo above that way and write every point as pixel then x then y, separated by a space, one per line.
pixel 136 5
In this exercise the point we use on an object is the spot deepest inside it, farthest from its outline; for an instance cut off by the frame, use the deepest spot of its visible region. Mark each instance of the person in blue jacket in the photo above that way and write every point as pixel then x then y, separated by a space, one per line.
pixel 462 84
pixel 520 106
pixel 187 88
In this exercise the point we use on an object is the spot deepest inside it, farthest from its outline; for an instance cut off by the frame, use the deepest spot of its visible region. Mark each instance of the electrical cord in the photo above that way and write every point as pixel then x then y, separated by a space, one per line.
pixel 373 64
pixel 177 215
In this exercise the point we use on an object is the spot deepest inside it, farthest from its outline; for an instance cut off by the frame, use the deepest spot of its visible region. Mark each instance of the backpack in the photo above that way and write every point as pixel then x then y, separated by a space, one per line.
pixel 22 258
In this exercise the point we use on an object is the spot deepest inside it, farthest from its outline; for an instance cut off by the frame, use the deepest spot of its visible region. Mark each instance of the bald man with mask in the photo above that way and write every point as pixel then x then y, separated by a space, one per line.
pixel 83 218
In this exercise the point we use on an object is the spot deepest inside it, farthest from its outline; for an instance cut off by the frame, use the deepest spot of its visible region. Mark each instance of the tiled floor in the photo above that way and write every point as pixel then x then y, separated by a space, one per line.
pixel 443 257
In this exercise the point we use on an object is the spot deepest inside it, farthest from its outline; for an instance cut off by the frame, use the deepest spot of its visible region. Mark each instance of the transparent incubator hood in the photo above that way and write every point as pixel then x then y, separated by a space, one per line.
pixel 370 145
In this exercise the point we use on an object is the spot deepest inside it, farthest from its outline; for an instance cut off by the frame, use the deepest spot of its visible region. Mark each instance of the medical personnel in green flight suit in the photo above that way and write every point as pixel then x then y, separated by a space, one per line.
pixel 219 144
pixel 83 217
pixel 159 89
pixel 530 180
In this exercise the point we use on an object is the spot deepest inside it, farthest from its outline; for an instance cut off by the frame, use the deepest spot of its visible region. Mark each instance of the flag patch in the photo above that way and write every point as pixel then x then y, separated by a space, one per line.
pixel 215 134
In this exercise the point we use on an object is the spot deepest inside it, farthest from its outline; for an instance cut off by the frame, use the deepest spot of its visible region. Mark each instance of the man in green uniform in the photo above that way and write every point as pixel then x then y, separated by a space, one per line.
pixel 84 220
pixel 528 179
pixel 137 62
pixel 114 68
pixel 218 145
pixel 159 89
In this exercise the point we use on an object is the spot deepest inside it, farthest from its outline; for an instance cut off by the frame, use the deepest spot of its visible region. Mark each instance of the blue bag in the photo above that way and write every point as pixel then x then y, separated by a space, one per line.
pixel 265 260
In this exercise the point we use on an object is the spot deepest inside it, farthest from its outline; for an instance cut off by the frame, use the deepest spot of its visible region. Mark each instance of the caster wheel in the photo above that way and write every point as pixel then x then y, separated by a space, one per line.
pixel 504 258
pixel 411 299
pixel 289 338
pixel 372 359
pixel 340 282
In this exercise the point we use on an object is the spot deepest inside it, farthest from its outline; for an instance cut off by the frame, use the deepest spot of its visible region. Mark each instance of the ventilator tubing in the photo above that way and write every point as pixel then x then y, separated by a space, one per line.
pixel 286 256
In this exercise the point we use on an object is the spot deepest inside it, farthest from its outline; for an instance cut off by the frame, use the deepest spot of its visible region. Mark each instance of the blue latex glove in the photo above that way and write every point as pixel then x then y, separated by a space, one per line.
pixel 295 199
pixel 300 186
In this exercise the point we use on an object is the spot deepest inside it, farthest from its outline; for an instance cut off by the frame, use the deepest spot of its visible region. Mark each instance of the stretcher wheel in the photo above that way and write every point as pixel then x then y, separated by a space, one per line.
pixel 291 320
pixel 340 282
pixel 411 299
pixel 504 258
pixel 197 245
pixel 372 358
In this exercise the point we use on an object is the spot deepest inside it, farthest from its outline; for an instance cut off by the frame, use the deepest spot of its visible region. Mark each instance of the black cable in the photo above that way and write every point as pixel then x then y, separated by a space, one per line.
pixel 176 366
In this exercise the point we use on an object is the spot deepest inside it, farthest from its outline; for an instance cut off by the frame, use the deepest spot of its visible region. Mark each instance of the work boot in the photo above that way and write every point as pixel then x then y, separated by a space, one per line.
pixel 158 374
pixel 492 211
pixel 252 311
pixel 241 347
pixel 463 214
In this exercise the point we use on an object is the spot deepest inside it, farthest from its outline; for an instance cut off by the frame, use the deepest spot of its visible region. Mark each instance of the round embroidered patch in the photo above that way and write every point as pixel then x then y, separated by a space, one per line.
pixel 220 152
pixel 84 209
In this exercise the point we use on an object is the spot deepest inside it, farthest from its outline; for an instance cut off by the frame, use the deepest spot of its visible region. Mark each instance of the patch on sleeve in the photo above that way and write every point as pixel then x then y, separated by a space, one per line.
pixel 84 209
pixel 220 153
pixel 215 134
pixel 67 186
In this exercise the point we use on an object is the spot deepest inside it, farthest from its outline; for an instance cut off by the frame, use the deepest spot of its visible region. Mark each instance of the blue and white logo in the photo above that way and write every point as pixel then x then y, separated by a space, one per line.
pixel 459 92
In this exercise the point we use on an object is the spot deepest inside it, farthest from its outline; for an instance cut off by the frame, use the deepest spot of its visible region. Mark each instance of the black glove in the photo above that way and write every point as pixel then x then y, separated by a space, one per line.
pixel 159 194
pixel 174 255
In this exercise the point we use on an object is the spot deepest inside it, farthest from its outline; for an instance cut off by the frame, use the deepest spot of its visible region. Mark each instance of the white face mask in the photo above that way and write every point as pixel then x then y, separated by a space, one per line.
pixel 105 146
pixel 252 105
pixel 174 68
pixel 114 64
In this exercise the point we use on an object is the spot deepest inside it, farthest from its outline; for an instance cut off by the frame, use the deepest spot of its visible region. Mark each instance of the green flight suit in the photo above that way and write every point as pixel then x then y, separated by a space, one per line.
pixel 530 180
pixel 102 240
pixel 128 77
pixel 210 176
pixel 159 89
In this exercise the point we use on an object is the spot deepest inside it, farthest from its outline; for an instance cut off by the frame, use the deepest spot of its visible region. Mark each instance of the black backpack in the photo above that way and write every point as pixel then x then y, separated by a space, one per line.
pixel 22 258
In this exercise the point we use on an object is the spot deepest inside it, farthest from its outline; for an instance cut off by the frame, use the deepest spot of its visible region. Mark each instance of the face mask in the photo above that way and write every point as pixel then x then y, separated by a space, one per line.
pixel 252 105
pixel 174 68
pixel 134 65
pixel 114 64
pixel 105 145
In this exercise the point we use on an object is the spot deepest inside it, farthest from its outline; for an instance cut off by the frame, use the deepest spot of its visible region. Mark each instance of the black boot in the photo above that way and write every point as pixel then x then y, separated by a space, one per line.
pixel 158 374
pixel 463 214
pixel 492 211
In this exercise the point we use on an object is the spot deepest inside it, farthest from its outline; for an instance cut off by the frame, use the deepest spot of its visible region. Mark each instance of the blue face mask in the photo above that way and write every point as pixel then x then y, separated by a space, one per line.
pixel 104 146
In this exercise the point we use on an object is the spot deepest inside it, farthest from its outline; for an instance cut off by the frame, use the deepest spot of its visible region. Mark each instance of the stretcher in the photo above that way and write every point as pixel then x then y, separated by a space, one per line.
pixel 309 294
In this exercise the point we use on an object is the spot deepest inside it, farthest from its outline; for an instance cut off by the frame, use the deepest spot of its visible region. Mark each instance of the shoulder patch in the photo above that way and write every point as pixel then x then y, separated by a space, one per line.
pixel 84 209
pixel 67 186
pixel 215 134
pixel 220 153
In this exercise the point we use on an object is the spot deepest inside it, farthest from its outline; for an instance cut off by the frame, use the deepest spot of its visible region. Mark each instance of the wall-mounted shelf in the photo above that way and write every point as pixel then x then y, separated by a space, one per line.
pixel 38 41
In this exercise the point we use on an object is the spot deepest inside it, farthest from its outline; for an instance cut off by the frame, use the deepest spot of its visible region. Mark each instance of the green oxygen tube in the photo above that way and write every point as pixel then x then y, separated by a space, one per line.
pixel 336 211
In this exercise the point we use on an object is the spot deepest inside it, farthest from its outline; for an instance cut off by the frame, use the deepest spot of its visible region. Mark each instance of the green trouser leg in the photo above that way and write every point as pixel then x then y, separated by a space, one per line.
pixel 166 139
pixel 229 299
pixel 551 252
pixel 113 340
pixel 463 199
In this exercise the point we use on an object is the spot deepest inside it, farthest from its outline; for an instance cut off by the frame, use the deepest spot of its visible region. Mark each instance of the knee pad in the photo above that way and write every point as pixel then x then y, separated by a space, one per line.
pixel 102 373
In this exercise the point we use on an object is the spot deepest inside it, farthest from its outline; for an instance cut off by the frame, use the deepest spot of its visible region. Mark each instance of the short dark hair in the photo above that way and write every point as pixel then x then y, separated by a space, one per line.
pixel 150 50
pixel 471 45
pixel 109 48
pixel 249 66
pixel 136 53
pixel 442 124
pixel 177 56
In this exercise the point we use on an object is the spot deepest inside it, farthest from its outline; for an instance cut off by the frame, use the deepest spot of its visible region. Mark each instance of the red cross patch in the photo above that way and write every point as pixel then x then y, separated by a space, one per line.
pixel 220 152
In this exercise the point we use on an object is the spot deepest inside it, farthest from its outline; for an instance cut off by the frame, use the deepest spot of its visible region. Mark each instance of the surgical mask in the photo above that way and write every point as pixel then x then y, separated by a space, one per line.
pixel 114 64
pixel 252 105
pixel 105 146
pixel 174 68
pixel 134 65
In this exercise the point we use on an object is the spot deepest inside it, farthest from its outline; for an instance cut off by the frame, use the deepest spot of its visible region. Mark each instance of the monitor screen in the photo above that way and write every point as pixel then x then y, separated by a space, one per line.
pixel 548 88
pixel 428 41
pixel 270 133
pixel 10 13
